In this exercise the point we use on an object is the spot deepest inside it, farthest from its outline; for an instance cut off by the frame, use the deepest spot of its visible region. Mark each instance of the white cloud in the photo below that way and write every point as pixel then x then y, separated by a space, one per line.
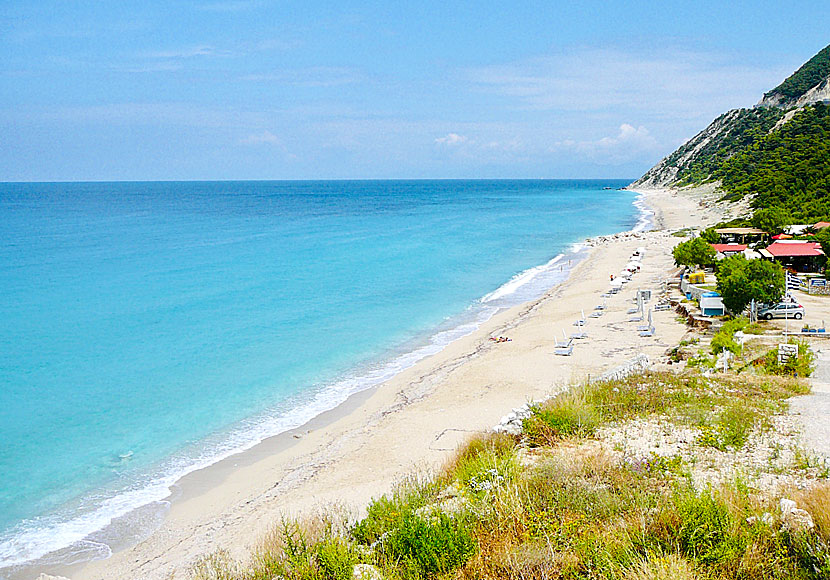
pixel 310 77
pixel 630 143
pixel 451 139
pixel 190 52
pixel 629 136
pixel 667 82
pixel 266 137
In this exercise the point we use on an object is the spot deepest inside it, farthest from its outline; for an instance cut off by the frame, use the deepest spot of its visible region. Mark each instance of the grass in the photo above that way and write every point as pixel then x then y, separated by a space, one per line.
pixel 555 504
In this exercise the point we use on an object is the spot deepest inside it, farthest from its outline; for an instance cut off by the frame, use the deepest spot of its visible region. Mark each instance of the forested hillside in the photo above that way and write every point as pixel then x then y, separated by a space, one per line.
pixel 788 168
pixel 811 74
pixel 778 152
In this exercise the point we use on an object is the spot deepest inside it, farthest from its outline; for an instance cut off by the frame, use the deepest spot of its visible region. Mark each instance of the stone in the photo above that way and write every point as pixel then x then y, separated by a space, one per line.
pixel 366 572
pixel 794 520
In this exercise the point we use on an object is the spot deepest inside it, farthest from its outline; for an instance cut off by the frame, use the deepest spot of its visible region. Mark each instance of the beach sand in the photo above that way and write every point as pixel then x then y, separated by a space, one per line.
pixel 415 421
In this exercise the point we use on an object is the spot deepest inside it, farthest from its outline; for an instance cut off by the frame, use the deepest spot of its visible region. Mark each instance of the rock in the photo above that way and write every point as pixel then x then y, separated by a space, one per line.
pixel 451 490
pixel 366 572
pixel 453 506
pixel 794 520
pixel 786 506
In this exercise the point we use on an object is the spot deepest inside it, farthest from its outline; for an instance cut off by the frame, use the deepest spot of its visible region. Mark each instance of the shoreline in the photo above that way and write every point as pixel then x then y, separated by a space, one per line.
pixel 295 458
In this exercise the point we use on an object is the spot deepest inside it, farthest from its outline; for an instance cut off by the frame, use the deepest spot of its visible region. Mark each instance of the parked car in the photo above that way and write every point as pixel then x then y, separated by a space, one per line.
pixel 782 310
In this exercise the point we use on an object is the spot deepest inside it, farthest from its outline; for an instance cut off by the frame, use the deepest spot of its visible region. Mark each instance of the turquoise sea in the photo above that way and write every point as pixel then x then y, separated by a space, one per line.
pixel 149 329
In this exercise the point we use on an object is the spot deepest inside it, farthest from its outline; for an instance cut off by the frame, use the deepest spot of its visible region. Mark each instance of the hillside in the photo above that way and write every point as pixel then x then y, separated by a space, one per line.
pixel 775 150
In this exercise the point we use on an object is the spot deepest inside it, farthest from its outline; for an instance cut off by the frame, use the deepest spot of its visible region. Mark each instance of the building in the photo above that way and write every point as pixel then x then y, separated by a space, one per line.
pixel 726 250
pixel 796 255
pixel 740 235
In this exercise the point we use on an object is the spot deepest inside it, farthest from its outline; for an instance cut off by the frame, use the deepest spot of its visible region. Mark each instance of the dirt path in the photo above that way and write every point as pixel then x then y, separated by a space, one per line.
pixel 813 410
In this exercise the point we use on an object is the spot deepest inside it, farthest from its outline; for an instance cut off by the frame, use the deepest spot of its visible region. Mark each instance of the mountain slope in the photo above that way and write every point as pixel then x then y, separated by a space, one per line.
pixel 705 156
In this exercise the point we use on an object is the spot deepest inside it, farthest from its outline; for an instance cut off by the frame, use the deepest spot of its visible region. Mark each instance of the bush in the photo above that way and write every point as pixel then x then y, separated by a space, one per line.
pixel 567 415
pixel 423 548
pixel 387 512
pixel 335 559
pixel 724 338
pixel 730 429
pixel 800 366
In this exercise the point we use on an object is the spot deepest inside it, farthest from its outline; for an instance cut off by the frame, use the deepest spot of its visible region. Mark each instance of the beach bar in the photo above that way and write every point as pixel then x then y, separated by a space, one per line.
pixel 740 235
pixel 797 255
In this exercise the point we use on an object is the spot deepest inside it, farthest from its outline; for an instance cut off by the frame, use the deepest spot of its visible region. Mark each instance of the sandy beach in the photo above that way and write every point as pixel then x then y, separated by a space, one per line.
pixel 417 419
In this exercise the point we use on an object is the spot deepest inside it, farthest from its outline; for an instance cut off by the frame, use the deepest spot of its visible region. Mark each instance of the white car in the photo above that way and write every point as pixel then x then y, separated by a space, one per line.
pixel 782 310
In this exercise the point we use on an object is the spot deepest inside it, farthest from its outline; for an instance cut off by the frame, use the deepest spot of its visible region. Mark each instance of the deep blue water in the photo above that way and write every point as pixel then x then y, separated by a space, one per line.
pixel 149 328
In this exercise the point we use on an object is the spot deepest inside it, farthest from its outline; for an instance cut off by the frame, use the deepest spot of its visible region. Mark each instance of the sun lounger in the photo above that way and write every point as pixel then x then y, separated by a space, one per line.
pixel 595 314
pixel 648 332
pixel 647 326
pixel 665 306
pixel 564 350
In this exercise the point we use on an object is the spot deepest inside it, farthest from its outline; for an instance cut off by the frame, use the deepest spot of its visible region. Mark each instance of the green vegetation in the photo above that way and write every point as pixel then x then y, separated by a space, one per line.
pixel 788 169
pixel 823 237
pixel 809 75
pixel 724 338
pixel 800 366
pixel 770 219
pixel 741 280
pixel 694 252
pixel 568 509
pixel 744 127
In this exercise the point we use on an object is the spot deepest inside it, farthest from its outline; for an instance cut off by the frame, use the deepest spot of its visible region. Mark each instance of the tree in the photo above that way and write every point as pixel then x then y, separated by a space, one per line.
pixel 770 219
pixel 823 238
pixel 694 252
pixel 740 281
pixel 710 235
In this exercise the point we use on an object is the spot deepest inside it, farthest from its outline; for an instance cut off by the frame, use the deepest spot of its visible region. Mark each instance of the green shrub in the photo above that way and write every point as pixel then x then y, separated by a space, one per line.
pixel 701 527
pixel 569 414
pixel 387 512
pixel 731 428
pixel 722 342
pixel 800 366
pixel 335 559
pixel 424 548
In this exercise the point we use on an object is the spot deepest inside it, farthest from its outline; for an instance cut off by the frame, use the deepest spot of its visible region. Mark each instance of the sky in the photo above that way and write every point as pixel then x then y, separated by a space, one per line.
pixel 277 89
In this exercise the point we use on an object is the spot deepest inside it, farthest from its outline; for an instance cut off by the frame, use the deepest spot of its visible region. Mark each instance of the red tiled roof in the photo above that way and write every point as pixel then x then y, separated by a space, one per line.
pixel 779 249
pixel 821 225
pixel 729 247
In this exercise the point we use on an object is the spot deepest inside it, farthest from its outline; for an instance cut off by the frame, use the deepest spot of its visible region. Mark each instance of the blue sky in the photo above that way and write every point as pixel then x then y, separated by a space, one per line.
pixel 267 89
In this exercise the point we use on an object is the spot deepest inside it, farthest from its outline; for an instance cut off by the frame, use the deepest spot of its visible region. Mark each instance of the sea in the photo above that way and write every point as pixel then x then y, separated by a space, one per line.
pixel 149 329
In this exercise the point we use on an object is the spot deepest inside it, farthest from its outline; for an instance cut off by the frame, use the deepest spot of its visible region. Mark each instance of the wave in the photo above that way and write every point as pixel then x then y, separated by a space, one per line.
pixel 646 218
pixel 520 280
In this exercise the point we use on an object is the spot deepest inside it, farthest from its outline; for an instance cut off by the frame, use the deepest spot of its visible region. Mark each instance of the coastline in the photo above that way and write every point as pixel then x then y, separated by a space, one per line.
pixel 413 420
